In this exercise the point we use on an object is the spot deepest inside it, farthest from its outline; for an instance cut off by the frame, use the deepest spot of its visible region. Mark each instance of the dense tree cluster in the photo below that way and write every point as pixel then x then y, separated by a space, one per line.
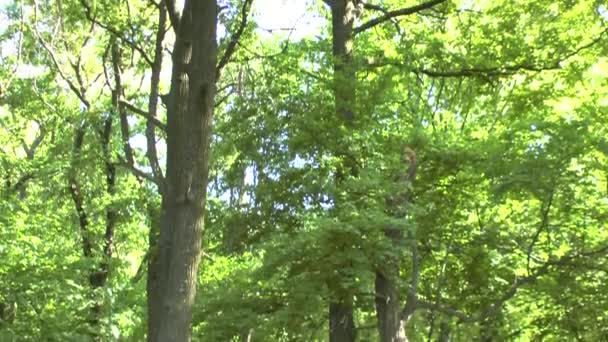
pixel 431 170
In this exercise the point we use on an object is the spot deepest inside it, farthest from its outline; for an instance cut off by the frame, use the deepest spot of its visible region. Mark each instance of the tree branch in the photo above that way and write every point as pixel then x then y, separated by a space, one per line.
pixel 234 40
pixel 445 310
pixel 88 11
pixel 512 290
pixel 173 14
pixel 543 225
pixel 157 65
pixel 507 70
pixel 55 61
pixel 143 113
pixel 396 13
pixel 117 94
pixel 137 172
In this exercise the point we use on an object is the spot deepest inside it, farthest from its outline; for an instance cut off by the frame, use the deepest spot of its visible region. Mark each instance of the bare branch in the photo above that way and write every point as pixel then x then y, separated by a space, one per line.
pixel 143 113
pixel 234 40
pixel 396 13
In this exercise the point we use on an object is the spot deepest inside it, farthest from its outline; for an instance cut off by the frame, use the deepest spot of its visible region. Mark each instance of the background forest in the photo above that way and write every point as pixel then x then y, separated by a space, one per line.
pixel 388 170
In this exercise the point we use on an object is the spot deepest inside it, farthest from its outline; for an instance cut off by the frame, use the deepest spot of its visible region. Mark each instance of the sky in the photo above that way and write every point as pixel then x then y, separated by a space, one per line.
pixel 287 14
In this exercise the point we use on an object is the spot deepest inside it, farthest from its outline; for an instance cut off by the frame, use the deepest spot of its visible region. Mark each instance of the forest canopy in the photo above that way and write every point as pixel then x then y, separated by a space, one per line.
pixel 336 170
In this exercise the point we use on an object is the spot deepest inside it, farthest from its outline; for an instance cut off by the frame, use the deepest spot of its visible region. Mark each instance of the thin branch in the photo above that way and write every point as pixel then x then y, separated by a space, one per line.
pixel 77 67
pixel 445 310
pixel 117 94
pixel 19 49
pixel 507 70
pixel 383 10
pixel 493 308
pixel 234 40
pixel 76 193
pixel 31 150
pixel 157 65
pixel 601 250
pixel 396 13
pixel 21 182
pixel 173 14
pixel 137 172
pixel 375 8
pixel 223 98
pixel 543 225
pixel 51 53
pixel 89 15
pixel 143 113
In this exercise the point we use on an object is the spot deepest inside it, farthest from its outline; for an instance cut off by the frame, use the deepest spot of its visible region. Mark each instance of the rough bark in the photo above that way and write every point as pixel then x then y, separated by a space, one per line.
pixel 341 321
pixel 189 123
pixel 391 327
pixel 342 17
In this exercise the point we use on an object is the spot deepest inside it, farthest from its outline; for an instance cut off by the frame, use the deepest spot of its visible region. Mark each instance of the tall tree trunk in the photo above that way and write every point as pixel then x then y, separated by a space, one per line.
pixel 189 123
pixel 391 319
pixel 341 320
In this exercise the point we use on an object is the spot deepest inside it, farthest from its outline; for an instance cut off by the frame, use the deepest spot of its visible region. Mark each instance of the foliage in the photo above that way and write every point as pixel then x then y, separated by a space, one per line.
pixel 503 103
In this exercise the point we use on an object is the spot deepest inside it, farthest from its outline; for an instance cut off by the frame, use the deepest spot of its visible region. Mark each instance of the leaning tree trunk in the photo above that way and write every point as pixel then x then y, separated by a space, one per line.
pixel 341 321
pixel 189 122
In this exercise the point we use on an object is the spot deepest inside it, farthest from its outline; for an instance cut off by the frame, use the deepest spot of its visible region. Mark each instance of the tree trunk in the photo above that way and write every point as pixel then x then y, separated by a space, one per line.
pixel 391 318
pixel 341 320
pixel 189 122
pixel 341 323
pixel 388 310
pixel 152 282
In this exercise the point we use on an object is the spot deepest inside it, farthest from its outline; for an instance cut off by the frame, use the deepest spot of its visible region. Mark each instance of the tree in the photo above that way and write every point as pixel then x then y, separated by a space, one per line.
pixel 189 122
pixel 408 170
